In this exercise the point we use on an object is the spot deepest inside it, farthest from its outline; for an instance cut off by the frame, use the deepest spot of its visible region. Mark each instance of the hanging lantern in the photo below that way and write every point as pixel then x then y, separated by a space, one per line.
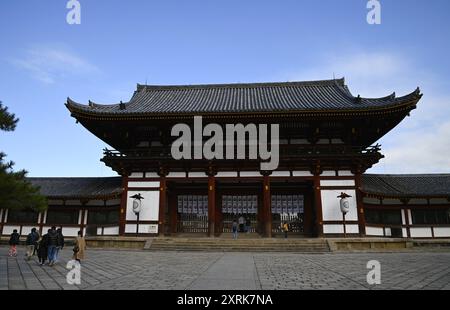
pixel 344 202
pixel 137 203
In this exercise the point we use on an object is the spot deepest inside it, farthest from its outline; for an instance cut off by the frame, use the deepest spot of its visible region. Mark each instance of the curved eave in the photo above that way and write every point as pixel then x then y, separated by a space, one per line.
pixel 392 105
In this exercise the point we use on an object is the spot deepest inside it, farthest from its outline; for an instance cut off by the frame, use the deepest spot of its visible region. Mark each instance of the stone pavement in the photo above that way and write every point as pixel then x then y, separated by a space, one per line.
pixel 132 270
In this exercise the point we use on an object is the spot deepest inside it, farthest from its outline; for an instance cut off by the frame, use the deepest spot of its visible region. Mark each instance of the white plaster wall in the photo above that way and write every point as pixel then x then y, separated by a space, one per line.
pixel 402 212
pixel 404 232
pixel 143 228
pixel 442 232
pixel 226 174
pixel 151 175
pixel 70 231
pixel 143 184
pixel 333 229
pixel 345 173
pixel 176 175
pixel 337 183
pixel 27 229
pixel 280 174
pixel 197 175
pixel 8 229
pixel 150 206
pixel 137 175
pixel 374 231
pixel 79 216
pixel 420 232
pixel 329 173
pixel 86 216
pixel 111 231
pixel 352 229
pixel 331 210
pixel 250 174
pixel 302 174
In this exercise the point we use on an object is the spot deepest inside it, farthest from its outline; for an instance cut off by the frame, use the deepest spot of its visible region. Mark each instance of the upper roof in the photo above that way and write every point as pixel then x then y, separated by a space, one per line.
pixel 87 188
pixel 407 185
pixel 309 96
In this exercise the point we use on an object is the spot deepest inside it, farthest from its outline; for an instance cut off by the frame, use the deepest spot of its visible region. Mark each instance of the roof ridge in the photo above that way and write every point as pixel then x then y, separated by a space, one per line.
pixel 332 82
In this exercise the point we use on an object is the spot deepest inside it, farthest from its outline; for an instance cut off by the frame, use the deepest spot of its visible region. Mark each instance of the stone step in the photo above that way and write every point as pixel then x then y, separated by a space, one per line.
pixel 241 245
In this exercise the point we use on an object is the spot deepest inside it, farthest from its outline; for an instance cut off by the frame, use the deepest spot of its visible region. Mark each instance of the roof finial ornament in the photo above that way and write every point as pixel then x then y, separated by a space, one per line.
pixel 122 105
pixel 91 104
pixel 358 99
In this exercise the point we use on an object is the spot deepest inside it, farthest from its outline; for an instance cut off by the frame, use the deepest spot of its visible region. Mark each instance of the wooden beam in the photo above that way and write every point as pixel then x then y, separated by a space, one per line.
pixel 318 205
pixel 360 206
pixel 123 205
pixel 211 206
pixel 267 210
pixel 162 206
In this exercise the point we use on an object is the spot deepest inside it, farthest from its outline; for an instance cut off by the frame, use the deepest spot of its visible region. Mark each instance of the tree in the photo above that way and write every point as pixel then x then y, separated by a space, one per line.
pixel 16 192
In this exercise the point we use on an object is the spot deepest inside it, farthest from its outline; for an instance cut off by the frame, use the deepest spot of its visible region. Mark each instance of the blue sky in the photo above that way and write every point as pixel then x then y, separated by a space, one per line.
pixel 43 60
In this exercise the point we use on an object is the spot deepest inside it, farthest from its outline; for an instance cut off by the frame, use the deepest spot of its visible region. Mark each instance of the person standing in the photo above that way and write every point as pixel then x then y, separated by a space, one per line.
pixel 60 243
pixel 52 244
pixel 13 242
pixel 32 238
pixel 80 247
pixel 43 249
pixel 285 229
pixel 234 228
pixel 241 223
pixel 248 225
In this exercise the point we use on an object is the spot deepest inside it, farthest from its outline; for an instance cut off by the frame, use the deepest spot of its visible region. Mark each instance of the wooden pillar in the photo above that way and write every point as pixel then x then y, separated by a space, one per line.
pixel 123 205
pixel 360 206
pixel 173 213
pixel 211 205
pixel 267 209
pixel 407 222
pixel 1 220
pixel 162 206
pixel 318 205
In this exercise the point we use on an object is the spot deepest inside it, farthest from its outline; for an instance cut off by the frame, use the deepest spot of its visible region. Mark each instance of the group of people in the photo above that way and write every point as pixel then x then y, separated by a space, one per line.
pixel 241 228
pixel 241 225
pixel 48 246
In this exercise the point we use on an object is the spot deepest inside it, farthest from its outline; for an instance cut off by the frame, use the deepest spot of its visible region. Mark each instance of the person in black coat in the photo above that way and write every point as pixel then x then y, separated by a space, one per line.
pixel 43 249
pixel 60 243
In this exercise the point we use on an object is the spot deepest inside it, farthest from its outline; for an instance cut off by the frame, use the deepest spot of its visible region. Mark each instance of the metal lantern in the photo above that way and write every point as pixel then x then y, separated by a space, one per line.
pixel 344 203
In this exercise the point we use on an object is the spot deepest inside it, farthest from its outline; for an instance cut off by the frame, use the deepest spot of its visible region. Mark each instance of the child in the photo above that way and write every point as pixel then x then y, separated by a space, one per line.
pixel 13 242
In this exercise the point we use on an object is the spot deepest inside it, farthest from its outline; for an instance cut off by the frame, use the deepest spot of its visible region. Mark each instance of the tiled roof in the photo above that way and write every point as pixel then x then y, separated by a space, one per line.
pixel 407 185
pixel 78 187
pixel 311 96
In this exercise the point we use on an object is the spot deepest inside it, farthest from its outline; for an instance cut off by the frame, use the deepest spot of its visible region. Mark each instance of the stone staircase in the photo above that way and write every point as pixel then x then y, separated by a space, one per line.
pixel 243 244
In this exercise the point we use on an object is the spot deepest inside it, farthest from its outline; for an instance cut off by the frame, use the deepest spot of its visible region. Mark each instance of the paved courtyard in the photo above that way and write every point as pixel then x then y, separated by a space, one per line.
pixel 131 270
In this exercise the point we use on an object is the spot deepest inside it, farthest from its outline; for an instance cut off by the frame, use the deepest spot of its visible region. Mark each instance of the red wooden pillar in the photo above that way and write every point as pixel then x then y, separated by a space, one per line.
pixel 123 205
pixel 360 206
pixel 267 209
pixel 211 205
pixel 162 206
pixel 318 205
pixel 173 213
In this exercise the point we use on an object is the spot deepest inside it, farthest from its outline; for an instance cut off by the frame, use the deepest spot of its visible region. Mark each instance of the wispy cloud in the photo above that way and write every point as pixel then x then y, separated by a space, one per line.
pixel 421 143
pixel 49 63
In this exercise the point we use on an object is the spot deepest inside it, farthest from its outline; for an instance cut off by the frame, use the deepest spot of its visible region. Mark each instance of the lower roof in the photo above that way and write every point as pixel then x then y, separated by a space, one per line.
pixel 87 188
pixel 407 185
pixel 388 185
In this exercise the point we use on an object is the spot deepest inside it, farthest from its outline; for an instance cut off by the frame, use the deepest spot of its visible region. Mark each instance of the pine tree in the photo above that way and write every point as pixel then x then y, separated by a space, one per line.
pixel 16 192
